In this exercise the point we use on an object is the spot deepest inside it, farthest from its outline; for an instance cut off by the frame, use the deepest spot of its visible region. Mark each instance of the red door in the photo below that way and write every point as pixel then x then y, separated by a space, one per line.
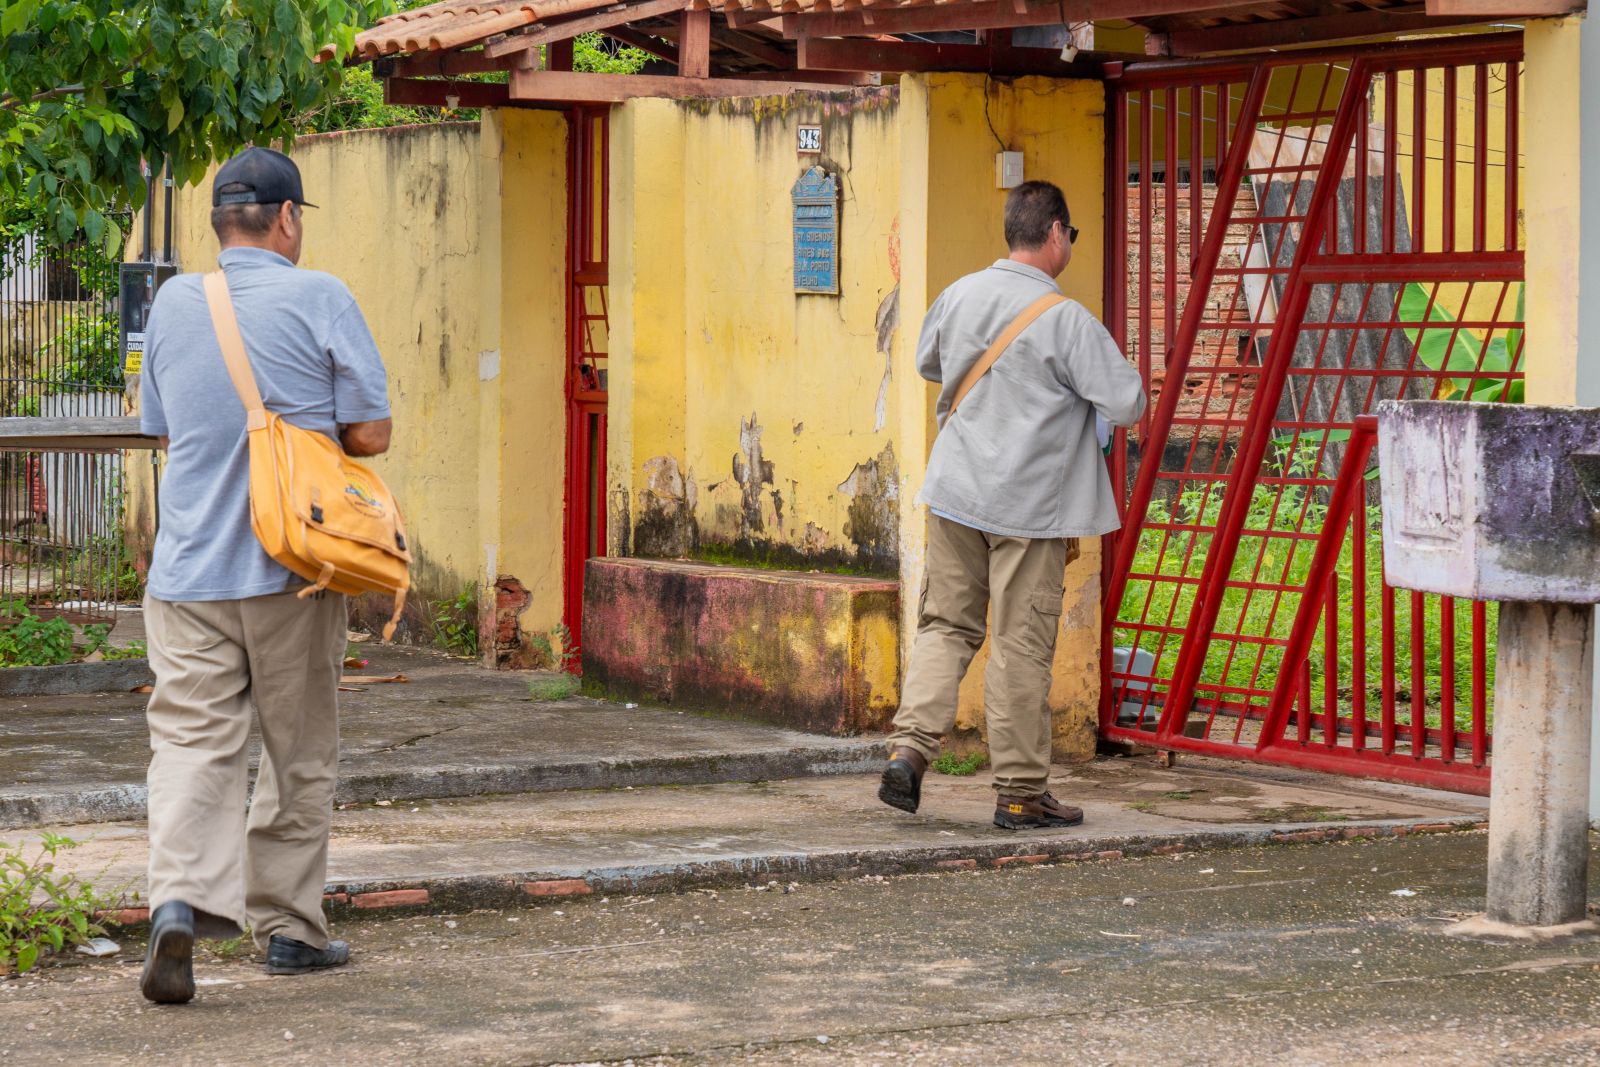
pixel 587 276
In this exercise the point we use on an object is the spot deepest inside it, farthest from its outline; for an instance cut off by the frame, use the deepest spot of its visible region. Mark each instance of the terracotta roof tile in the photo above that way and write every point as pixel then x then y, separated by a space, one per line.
pixel 457 23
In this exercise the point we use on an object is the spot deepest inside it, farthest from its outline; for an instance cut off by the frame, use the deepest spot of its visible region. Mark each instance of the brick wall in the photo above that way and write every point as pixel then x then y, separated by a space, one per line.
pixel 1205 394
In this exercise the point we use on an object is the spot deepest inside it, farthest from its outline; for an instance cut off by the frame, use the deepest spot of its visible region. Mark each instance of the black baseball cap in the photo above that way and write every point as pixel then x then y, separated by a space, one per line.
pixel 267 177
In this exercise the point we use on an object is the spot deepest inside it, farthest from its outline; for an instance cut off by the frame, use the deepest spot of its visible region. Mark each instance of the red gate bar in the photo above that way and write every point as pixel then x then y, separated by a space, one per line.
pixel 588 177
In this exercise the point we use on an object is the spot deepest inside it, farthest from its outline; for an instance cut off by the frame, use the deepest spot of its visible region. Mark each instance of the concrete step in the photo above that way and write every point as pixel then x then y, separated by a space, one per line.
pixel 504 850
pixel 450 730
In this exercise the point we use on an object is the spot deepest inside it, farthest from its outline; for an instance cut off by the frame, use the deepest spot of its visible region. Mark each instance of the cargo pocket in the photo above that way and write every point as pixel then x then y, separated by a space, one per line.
pixel 1048 601
pixel 1045 621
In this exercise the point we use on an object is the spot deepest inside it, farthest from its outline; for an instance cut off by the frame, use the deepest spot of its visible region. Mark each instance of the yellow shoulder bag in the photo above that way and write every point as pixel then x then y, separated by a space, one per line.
pixel 315 511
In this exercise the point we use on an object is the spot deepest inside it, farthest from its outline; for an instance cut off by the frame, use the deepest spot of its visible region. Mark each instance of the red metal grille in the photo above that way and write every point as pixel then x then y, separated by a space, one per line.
pixel 588 275
pixel 1306 235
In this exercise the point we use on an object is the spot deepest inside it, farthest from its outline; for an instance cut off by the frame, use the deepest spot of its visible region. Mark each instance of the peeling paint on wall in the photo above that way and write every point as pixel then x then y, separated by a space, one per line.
pixel 874 525
pixel 815 540
pixel 752 471
pixel 811 369
pixel 489 365
pixel 888 323
pixel 619 523
pixel 666 525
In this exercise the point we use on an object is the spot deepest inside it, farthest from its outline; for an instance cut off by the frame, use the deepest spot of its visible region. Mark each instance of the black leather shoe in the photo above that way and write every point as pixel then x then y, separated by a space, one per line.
pixel 902 779
pixel 285 955
pixel 168 976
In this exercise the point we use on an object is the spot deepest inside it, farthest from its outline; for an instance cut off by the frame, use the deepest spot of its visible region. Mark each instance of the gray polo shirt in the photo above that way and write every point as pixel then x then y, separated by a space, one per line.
pixel 1020 458
pixel 316 365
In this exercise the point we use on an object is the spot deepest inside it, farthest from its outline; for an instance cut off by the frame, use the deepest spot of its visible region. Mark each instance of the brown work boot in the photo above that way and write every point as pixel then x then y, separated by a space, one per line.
pixel 1034 813
pixel 902 779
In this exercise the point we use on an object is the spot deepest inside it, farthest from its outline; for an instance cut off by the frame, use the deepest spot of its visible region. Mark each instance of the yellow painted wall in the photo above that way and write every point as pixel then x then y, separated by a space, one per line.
pixel 803 373
pixel 1553 133
pixel 425 224
pixel 521 364
pixel 728 370
pixel 400 225
pixel 646 401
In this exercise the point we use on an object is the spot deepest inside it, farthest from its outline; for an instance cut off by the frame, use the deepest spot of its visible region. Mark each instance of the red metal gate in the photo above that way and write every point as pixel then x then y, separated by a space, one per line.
pixel 1295 238
pixel 587 276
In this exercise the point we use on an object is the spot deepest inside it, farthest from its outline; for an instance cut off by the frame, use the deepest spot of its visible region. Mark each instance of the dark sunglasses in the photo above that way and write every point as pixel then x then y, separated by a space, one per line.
pixel 1072 234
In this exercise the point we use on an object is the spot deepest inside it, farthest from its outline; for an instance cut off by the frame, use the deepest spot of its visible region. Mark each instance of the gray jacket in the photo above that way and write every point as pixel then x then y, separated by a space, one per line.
pixel 1020 457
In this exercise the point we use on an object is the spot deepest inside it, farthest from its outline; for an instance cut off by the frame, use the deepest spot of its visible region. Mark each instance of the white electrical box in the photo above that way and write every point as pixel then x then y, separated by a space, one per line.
pixel 1008 169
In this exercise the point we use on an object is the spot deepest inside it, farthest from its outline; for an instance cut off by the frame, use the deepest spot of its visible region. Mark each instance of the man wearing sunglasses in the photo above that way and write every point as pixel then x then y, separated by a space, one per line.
pixel 1015 478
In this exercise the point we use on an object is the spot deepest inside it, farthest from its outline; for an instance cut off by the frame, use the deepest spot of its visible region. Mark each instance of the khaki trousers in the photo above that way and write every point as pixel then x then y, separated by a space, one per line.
pixel 215 662
pixel 1021 579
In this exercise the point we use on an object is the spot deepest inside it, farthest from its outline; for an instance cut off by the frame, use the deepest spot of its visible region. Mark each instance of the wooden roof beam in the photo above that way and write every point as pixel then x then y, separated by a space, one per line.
pixel 907 57
pixel 546 32
pixel 1206 18
pixel 446 64
pixel 694 44
pixel 741 19
pixel 753 47
pixel 980 15
pixel 1284 33
pixel 645 42
pixel 552 86
pixel 865 22
pixel 1505 9
pixel 414 92
pixel 814 79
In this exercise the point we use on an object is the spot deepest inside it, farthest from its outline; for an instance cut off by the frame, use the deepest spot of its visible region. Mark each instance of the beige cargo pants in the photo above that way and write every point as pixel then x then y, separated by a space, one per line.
pixel 969 573
pixel 215 662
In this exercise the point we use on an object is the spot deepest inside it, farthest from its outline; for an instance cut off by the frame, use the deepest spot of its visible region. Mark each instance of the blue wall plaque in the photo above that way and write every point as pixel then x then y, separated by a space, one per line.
pixel 816 232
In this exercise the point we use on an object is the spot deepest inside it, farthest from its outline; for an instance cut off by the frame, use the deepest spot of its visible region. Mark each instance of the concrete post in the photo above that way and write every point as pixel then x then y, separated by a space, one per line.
pixel 1538 802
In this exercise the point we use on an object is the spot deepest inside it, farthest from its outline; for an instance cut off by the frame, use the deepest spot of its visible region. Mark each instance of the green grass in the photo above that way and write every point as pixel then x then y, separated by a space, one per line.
pixel 1275 509
pixel 961 766
pixel 553 687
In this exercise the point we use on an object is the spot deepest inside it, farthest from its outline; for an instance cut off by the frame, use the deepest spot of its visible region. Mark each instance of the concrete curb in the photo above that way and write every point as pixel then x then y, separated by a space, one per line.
pixel 67 679
pixel 124 802
pixel 520 889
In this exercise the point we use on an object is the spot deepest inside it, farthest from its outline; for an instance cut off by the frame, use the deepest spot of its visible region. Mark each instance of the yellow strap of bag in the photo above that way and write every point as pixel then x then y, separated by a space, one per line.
pixel 315 511
pixel 1001 343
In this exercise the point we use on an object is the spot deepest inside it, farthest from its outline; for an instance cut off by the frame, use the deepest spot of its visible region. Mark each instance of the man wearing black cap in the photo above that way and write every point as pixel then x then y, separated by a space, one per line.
pixel 227 633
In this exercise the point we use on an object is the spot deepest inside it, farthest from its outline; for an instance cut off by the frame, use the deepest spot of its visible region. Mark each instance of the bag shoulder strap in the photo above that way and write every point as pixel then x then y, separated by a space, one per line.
pixel 1001 343
pixel 227 326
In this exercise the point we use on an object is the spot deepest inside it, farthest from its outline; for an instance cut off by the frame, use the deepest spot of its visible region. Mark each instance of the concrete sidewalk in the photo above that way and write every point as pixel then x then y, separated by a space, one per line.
pixel 500 850
pixel 452 730
pixel 1306 955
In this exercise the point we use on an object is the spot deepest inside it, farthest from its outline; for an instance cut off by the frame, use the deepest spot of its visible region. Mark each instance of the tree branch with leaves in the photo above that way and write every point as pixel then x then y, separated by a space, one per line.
pixel 91 88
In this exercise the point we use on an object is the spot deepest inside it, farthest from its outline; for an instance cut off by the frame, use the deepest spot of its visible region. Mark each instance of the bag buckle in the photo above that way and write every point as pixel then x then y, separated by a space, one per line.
pixel 316 513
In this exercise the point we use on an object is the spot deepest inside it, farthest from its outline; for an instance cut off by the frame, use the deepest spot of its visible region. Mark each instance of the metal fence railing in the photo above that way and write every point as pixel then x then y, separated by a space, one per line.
pixel 62 549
